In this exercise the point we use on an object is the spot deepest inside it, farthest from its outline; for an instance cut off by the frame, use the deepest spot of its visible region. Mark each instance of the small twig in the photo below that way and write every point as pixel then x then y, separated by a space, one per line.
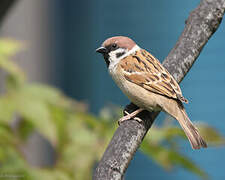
pixel 200 26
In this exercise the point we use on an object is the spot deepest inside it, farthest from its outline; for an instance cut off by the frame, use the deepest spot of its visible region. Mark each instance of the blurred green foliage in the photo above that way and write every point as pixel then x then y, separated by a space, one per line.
pixel 78 137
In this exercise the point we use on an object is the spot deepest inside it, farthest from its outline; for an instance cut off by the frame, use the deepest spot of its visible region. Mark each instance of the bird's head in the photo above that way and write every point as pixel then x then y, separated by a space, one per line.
pixel 116 48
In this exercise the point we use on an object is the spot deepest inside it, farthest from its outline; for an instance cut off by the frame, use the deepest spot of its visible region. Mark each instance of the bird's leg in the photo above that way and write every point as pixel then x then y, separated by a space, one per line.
pixel 131 115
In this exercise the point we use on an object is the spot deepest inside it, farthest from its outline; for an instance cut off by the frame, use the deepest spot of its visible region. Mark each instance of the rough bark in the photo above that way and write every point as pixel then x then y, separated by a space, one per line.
pixel 200 25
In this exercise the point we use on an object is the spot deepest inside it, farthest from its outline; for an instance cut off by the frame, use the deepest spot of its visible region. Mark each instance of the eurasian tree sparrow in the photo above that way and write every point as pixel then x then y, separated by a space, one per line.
pixel 147 83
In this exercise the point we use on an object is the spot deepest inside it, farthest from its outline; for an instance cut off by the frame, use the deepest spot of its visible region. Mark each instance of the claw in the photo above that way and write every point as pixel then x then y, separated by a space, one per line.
pixel 130 115
pixel 138 119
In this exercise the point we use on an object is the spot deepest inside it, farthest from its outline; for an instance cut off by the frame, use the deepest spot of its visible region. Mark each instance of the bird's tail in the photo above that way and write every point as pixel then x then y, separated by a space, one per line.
pixel 190 130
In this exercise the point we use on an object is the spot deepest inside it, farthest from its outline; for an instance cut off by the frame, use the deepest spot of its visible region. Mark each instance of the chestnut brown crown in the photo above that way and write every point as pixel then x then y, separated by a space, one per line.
pixel 114 43
pixel 120 41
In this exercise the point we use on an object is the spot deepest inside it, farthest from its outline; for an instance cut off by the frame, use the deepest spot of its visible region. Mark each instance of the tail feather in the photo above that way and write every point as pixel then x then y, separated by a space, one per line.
pixel 190 130
pixel 178 112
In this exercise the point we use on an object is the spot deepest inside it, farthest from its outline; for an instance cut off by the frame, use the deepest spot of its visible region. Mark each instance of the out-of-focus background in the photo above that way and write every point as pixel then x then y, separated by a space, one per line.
pixel 59 39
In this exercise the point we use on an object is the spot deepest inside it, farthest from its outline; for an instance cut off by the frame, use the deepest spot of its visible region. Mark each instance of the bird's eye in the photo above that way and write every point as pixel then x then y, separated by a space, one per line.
pixel 114 45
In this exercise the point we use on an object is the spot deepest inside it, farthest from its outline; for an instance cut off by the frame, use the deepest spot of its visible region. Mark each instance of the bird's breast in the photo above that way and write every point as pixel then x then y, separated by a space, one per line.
pixel 135 93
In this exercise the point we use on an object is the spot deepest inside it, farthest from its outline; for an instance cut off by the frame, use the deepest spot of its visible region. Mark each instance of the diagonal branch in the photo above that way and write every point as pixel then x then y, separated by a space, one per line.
pixel 200 25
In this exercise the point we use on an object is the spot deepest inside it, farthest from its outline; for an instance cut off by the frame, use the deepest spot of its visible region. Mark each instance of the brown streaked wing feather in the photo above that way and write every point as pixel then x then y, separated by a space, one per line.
pixel 146 71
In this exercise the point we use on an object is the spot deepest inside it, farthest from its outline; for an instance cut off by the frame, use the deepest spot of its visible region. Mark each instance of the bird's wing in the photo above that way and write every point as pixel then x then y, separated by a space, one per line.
pixel 146 71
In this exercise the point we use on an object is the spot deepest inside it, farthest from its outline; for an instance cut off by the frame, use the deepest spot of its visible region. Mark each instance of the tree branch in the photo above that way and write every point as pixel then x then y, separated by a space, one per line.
pixel 200 25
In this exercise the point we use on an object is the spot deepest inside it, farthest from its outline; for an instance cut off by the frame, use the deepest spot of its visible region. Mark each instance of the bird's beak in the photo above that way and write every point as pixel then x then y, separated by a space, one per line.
pixel 101 50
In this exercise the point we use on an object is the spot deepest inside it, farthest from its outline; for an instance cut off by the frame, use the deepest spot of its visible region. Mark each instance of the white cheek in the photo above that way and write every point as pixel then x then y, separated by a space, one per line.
pixel 112 54
pixel 114 60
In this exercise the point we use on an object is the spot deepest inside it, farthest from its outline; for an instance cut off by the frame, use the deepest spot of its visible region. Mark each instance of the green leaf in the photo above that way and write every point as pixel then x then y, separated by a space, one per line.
pixel 60 117
pixel 13 70
pixel 7 108
pixel 110 113
pixel 36 111
pixel 165 133
pixel 211 135
pixel 44 93
pixel 6 135
pixel 23 129
pixel 9 47
pixel 49 174
pixel 168 158
pixel 187 164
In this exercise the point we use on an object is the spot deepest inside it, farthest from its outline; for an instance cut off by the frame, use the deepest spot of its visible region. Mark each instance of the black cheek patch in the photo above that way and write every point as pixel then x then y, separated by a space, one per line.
pixel 119 54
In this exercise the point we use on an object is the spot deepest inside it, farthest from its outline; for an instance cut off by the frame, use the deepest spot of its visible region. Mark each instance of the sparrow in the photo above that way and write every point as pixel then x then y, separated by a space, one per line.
pixel 147 83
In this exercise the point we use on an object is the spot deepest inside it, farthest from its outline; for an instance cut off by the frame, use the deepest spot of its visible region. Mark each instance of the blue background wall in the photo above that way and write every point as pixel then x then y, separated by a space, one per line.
pixel 81 26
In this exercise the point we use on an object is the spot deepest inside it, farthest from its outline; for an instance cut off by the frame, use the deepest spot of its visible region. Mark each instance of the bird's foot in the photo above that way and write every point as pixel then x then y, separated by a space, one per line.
pixel 131 115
